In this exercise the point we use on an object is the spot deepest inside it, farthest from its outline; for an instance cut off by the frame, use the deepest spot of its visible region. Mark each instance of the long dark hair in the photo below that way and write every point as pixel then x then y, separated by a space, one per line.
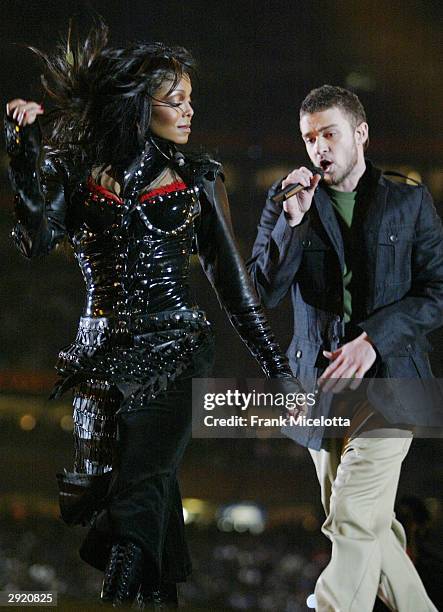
pixel 102 96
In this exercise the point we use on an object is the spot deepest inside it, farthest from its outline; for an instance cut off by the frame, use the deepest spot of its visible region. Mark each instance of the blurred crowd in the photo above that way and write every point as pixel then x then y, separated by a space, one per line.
pixel 273 570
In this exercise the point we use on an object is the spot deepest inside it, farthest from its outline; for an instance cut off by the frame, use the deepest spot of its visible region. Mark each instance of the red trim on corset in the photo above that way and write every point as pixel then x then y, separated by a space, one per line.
pixel 177 186
pixel 95 187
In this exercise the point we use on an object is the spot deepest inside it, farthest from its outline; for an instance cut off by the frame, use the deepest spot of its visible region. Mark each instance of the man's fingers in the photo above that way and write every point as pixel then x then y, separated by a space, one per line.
pixel 337 385
pixel 286 207
pixel 343 379
pixel 330 371
pixel 339 368
pixel 355 383
pixel 357 380
pixel 301 176
pixel 297 179
pixel 333 354
pixel 315 181
pixel 340 375
pixel 306 176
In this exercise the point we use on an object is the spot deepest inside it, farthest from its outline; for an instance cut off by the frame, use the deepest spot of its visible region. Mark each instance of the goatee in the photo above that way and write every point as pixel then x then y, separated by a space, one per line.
pixel 348 170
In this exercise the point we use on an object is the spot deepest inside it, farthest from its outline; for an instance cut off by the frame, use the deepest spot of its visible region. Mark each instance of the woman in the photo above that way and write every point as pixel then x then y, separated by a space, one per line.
pixel 134 209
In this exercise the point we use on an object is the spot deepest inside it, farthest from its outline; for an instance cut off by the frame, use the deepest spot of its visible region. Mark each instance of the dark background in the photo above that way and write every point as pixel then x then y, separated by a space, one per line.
pixel 257 60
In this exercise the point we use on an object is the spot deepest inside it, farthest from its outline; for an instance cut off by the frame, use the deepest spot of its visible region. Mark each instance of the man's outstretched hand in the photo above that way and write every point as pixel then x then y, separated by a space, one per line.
pixel 349 364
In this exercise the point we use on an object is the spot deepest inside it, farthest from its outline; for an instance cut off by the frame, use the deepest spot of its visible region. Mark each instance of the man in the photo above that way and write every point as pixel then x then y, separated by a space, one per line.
pixel 363 259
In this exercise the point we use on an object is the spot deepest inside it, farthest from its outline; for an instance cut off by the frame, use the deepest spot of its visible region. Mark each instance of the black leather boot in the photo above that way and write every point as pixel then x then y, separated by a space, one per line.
pixel 164 598
pixel 112 570
pixel 123 574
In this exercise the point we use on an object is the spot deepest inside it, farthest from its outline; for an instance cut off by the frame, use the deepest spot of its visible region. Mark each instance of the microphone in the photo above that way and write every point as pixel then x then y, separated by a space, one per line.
pixel 291 190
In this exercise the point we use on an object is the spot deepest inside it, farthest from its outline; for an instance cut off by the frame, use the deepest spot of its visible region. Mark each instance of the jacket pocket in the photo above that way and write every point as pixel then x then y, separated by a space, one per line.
pixel 394 252
pixel 312 273
pixel 401 366
pixel 422 364
pixel 412 363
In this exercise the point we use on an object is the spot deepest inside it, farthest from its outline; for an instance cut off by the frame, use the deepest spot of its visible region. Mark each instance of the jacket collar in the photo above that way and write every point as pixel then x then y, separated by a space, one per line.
pixel 372 190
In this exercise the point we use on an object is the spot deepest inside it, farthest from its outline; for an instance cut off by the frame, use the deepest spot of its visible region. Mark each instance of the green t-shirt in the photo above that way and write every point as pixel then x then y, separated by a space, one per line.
pixel 344 203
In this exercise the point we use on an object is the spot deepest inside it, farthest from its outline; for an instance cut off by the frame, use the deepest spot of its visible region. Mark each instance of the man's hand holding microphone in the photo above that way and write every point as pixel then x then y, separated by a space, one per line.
pixel 305 183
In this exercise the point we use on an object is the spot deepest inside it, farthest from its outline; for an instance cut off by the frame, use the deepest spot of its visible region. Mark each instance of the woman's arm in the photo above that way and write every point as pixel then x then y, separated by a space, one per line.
pixel 38 179
pixel 225 269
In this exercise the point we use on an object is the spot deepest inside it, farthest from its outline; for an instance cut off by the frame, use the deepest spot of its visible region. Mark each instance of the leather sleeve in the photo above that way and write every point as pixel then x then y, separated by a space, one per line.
pixel 225 269
pixel 39 181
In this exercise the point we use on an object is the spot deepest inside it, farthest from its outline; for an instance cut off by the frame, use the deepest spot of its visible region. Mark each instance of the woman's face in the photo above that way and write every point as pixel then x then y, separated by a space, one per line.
pixel 172 122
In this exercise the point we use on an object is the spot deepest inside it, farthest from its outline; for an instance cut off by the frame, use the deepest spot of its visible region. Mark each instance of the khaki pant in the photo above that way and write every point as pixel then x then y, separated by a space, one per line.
pixel 359 483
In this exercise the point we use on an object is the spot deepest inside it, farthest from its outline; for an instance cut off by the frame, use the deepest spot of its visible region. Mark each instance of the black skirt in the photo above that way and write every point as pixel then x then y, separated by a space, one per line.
pixel 144 503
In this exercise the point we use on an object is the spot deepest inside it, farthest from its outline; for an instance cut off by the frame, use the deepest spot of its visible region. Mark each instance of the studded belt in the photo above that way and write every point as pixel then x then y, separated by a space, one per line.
pixel 94 331
pixel 167 319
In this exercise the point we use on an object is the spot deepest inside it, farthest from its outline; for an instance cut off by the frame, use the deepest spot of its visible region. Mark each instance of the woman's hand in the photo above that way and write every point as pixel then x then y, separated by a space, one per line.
pixel 25 113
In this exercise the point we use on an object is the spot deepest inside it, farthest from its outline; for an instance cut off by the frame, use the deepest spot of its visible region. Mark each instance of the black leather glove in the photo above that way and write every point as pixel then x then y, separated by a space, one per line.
pixel 22 140
pixel 253 328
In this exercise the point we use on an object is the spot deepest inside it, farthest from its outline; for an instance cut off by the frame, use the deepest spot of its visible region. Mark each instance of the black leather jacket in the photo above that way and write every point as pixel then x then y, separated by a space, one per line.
pixel 52 201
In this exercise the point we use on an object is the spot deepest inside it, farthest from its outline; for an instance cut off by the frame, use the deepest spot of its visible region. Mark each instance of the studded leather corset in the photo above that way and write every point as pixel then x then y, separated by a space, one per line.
pixel 135 262
pixel 140 324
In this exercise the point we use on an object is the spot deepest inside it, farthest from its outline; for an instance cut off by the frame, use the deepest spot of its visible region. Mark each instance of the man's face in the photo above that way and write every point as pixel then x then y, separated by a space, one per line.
pixel 332 142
